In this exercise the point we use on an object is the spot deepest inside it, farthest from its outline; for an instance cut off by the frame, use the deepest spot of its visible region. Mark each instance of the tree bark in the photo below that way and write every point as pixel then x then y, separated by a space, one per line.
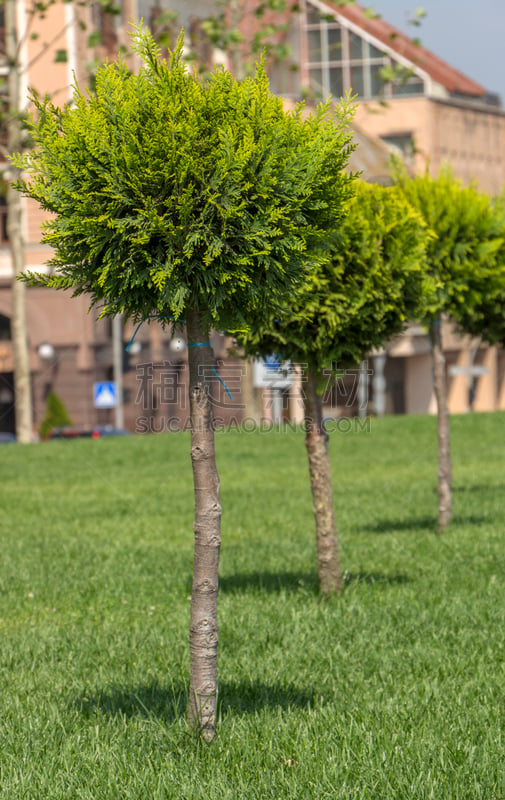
pixel 443 422
pixel 22 385
pixel 316 441
pixel 207 527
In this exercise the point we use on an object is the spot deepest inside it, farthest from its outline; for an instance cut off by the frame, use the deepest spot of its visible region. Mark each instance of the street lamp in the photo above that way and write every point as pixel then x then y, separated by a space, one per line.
pixel 177 345
pixel 46 352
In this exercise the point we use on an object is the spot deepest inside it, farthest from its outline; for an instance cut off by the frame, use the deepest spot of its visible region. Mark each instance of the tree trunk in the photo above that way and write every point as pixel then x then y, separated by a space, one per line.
pixel 316 441
pixel 23 401
pixel 250 410
pixel 236 54
pixel 207 527
pixel 444 445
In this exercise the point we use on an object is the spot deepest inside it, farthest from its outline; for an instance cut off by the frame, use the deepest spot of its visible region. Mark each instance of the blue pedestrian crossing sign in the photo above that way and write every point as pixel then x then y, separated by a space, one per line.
pixel 105 394
pixel 273 363
pixel 272 373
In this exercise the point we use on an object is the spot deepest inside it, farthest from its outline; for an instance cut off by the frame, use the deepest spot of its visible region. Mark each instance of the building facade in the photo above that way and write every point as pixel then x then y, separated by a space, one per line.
pixel 410 102
pixel 430 114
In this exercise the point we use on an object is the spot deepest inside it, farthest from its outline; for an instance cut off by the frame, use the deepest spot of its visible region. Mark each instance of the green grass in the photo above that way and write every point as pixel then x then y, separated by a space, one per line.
pixel 395 690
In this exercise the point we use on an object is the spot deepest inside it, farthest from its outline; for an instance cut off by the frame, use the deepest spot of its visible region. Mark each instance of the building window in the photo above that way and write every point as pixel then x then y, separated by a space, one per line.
pixel 2 31
pixel 339 60
pixel 4 238
pixel 5 328
pixel 104 20
pixel 401 143
pixel 407 86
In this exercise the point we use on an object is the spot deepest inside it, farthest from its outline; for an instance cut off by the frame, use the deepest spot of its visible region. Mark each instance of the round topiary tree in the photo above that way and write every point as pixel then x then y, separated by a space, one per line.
pixel 190 199
pixel 365 293
pixel 466 260
pixel 484 316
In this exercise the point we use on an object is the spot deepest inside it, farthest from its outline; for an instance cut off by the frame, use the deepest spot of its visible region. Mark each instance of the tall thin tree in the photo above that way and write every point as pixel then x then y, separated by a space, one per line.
pixel 371 285
pixel 22 384
pixel 21 22
pixel 195 199
pixel 465 255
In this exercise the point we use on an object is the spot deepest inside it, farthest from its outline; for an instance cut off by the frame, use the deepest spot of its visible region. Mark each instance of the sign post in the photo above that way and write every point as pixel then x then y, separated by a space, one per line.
pixel 473 372
pixel 274 374
pixel 105 394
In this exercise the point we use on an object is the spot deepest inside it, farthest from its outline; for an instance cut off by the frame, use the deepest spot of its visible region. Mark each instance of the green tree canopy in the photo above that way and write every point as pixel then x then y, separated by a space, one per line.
pixel 466 252
pixel 484 316
pixel 55 415
pixel 372 284
pixel 182 196
pixel 171 191
pixel 466 261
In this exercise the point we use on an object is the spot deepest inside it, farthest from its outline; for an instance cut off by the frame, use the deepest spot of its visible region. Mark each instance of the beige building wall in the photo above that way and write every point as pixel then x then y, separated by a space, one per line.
pixel 54 32
pixel 419 395
pixel 49 57
pixel 486 388
pixel 471 138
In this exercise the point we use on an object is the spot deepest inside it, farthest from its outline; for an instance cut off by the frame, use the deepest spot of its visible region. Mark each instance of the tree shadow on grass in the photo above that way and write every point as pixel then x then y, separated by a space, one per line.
pixel 169 703
pixel 469 519
pixel 297 581
pixel 264 581
pixel 425 524
pixel 373 578
pixel 247 697
pixel 486 488
pixel 166 703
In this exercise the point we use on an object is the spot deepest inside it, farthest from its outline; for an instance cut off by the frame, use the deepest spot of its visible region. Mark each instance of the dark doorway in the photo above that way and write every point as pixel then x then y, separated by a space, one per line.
pixel 5 323
pixel 7 407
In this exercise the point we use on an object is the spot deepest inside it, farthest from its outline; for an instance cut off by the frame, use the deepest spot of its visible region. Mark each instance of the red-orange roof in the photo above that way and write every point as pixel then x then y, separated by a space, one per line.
pixel 441 72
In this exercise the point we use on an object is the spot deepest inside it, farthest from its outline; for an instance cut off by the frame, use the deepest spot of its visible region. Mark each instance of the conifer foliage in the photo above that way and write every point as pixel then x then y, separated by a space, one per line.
pixel 371 285
pixel 466 261
pixel 171 191
pixel 195 198
pixel 55 415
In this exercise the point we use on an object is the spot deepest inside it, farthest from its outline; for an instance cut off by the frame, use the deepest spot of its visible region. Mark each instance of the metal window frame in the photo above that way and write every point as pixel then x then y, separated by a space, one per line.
pixel 347 28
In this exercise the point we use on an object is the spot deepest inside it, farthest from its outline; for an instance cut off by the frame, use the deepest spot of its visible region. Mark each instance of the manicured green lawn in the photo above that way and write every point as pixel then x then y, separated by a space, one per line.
pixel 395 690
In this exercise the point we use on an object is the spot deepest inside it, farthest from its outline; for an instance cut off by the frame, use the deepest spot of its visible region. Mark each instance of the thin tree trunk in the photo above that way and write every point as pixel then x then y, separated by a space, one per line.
pixel 472 380
pixel 250 411
pixel 22 386
pixel 316 441
pixel 207 527
pixel 443 420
